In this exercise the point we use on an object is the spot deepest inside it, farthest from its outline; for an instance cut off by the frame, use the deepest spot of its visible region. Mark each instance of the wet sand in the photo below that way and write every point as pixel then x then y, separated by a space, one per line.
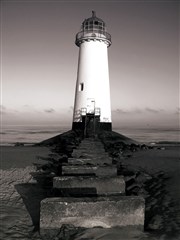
pixel 165 159
pixel 163 163
pixel 20 195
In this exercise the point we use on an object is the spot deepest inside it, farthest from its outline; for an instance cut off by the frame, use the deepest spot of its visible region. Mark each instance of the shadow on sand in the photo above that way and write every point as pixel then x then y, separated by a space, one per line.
pixel 32 195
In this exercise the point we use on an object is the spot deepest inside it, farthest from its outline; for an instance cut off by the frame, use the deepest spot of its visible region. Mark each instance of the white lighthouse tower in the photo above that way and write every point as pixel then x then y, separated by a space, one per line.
pixel 92 108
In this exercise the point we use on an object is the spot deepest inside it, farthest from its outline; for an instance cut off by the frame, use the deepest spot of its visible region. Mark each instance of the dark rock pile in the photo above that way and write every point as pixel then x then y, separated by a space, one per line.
pixel 61 147
pixel 118 145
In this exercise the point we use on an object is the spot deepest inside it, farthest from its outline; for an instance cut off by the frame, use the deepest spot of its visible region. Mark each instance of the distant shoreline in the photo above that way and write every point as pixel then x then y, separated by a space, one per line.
pixel 34 134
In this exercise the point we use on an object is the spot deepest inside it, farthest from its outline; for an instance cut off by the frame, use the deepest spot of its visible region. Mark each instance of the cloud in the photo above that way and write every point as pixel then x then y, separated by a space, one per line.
pixel 122 111
pixel 150 110
pixel 49 110
pixel 29 108
pixel 26 106
pixel 137 111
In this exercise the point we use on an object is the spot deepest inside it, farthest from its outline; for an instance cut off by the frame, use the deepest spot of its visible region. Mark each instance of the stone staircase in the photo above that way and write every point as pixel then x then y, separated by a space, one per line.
pixel 94 194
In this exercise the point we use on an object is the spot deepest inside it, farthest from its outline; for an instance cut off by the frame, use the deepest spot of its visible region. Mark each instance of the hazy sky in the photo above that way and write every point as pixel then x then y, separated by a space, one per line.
pixel 39 60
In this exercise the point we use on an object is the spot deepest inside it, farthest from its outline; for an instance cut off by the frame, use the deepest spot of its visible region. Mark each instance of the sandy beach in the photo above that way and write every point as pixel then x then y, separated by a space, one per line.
pixel 21 195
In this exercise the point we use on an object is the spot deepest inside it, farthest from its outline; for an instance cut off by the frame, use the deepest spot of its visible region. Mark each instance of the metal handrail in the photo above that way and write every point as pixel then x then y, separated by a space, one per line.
pixel 97 112
pixel 83 111
pixel 92 34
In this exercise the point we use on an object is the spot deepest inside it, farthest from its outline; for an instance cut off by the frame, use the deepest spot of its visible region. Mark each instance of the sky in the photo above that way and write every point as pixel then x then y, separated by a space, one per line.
pixel 39 60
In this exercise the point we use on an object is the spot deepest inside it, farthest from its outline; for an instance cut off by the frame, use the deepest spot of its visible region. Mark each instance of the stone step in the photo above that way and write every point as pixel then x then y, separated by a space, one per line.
pixel 96 144
pixel 91 149
pixel 84 142
pixel 89 170
pixel 93 161
pixel 87 154
pixel 106 212
pixel 96 185
pixel 94 152
pixel 88 140
pixel 91 146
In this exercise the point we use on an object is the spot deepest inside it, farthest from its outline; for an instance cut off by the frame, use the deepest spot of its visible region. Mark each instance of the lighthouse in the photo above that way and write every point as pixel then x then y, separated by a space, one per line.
pixel 92 107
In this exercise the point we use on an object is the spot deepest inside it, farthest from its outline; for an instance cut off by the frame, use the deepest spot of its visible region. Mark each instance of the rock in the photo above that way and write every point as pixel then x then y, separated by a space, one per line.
pixel 130 182
pixel 129 178
pixel 153 202
pixel 142 192
pixel 133 189
pixel 155 223
pixel 142 177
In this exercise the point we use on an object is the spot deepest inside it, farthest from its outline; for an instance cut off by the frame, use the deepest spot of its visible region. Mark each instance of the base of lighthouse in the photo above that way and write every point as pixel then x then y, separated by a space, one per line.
pixel 91 125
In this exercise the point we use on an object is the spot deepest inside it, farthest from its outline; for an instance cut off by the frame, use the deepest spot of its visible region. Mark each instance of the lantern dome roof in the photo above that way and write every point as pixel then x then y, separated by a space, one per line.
pixel 93 18
pixel 93 23
pixel 93 28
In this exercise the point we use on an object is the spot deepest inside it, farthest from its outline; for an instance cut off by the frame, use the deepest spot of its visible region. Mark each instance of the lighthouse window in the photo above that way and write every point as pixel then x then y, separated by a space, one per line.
pixel 81 86
pixel 96 22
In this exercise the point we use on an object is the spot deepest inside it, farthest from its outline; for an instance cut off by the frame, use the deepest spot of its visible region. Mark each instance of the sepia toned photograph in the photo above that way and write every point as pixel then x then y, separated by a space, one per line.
pixel 90 117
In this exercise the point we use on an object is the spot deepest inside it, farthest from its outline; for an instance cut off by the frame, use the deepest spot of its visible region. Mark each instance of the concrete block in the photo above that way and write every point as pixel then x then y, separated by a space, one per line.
pixel 102 185
pixel 92 147
pixel 88 154
pixel 89 170
pixel 93 142
pixel 91 212
pixel 95 161
pixel 79 161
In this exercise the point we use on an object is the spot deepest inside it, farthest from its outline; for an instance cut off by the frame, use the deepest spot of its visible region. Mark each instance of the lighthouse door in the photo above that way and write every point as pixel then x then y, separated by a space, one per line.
pixel 90 105
pixel 91 121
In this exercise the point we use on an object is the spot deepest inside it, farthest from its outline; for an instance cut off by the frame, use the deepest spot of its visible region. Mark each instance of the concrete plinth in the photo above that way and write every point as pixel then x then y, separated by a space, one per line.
pixel 95 161
pixel 90 212
pixel 91 147
pixel 101 185
pixel 89 170
pixel 77 154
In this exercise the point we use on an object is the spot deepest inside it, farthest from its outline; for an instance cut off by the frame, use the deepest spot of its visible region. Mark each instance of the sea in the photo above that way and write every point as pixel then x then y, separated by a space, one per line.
pixel 26 134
